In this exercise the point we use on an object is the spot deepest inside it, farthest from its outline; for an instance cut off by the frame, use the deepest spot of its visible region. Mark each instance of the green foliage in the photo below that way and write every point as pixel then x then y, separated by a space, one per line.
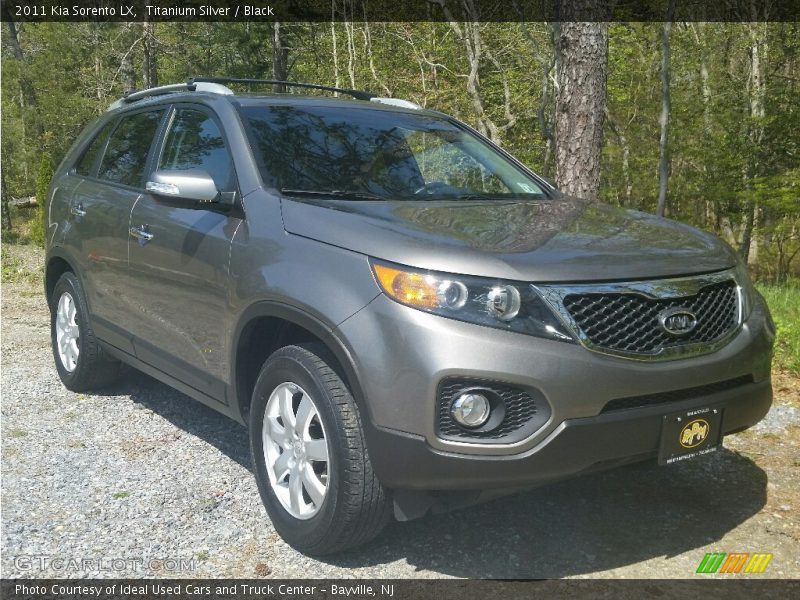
pixel 784 303
pixel 45 174
pixel 22 220
pixel 724 159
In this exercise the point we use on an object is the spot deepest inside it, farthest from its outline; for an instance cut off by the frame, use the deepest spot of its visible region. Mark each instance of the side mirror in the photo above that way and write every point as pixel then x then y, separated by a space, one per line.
pixel 184 185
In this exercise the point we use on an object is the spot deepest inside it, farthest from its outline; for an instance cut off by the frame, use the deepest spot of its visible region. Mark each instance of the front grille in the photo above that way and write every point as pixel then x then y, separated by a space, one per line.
pixel 628 322
pixel 524 411
pixel 675 395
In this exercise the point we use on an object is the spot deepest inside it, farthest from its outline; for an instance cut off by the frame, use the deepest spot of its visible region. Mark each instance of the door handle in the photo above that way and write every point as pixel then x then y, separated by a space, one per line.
pixel 140 233
pixel 78 211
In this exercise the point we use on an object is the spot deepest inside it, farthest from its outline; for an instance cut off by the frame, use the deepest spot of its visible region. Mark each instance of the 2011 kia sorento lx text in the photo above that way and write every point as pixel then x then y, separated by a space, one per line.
pixel 405 316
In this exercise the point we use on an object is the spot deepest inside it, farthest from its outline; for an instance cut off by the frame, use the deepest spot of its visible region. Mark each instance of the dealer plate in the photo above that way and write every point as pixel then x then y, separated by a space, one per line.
pixel 690 433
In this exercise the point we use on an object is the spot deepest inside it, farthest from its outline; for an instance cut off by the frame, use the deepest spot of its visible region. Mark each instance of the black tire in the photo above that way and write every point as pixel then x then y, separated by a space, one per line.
pixel 356 507
pixel 93 368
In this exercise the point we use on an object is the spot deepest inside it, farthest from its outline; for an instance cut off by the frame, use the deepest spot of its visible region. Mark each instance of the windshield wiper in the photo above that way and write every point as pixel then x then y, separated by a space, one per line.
pixel 347 194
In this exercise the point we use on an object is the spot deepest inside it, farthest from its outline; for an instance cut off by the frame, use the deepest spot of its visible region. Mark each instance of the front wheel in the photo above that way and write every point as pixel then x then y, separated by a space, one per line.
pixel 311 461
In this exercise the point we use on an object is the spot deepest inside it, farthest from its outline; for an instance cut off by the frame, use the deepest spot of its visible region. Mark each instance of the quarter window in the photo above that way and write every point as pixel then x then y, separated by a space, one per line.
pixel 85 165
pixel 126 156
pixel 195 142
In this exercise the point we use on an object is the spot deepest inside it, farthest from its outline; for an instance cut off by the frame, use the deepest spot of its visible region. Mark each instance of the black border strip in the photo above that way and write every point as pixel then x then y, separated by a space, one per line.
pixel 376 589
pixel 399 10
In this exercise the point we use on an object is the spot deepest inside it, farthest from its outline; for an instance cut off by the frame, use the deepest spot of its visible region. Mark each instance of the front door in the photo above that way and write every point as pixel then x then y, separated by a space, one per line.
pixel 179 270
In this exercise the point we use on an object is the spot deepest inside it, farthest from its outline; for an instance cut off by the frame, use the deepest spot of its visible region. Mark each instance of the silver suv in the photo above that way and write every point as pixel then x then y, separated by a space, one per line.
pixel 405 316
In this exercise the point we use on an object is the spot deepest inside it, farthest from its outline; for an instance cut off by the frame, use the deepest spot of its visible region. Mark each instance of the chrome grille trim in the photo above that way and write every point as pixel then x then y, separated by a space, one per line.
pixel 661 289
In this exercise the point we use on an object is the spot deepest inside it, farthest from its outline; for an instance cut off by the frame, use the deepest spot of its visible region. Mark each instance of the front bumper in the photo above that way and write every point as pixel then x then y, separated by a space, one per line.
pixel 402 354
pixel 576 446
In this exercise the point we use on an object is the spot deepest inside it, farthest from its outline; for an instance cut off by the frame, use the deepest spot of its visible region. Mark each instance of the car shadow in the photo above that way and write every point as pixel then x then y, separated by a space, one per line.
pixel 228 436
pixel 580 526
pixel 592 523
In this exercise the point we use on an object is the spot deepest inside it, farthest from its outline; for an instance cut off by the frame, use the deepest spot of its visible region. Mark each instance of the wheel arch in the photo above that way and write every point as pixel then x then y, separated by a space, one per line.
pixel 58 263
pixel 266 326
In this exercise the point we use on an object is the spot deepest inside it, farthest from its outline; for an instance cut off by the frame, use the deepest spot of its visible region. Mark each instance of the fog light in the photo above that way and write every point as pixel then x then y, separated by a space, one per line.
pixel 470 409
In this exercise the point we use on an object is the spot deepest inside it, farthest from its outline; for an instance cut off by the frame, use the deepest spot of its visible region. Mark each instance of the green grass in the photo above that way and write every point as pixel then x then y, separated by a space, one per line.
pixel 120 495
pixel 12 270
pixel 23 223
pixel 784 303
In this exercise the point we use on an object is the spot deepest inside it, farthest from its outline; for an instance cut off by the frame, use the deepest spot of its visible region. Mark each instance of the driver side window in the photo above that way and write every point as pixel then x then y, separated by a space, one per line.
pixel 194 142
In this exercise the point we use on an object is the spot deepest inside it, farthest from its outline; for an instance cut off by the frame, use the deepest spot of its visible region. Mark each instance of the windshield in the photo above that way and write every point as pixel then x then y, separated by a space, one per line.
pixel 365 154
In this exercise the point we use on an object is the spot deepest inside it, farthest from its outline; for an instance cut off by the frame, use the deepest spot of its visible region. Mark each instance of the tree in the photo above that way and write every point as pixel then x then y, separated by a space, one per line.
pixel 43 178
pixel 581 58
pixel 663 121
pixel 149 54
pixel 280 56
pixel 6 220
pixel 756 89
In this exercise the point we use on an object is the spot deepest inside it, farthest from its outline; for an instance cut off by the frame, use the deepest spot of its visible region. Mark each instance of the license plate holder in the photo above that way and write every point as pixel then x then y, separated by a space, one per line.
pixel 691 433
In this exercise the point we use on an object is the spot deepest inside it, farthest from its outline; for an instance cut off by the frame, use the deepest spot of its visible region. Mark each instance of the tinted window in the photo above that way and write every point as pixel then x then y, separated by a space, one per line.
pixel 194 142
pixel 389 154
pixel 86 163
pixel 126 155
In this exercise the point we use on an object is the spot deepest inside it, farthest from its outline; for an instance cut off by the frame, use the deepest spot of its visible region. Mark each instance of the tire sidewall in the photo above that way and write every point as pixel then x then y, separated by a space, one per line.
pixel 280 369
pixel 69 283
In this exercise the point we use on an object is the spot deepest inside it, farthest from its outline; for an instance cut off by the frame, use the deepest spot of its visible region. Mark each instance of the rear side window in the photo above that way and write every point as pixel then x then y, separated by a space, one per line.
pixel 86 164
pixel 126 155
pixel 194 142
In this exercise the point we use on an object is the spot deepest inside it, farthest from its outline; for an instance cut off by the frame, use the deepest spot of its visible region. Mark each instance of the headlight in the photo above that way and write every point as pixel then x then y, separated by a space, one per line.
pixel 747 292
pixel 499 304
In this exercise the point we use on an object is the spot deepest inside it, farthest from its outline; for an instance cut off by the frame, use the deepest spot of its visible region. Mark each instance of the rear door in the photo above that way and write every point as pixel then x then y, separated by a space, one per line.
pixel 179 273
pixel 113 169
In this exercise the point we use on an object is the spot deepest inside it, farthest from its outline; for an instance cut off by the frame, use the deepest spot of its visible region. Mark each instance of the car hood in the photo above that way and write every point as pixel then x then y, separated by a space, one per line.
pixel 553 240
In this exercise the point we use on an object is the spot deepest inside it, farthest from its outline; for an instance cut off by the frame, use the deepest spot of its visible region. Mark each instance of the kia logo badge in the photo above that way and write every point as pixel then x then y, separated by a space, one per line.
pixel 677 321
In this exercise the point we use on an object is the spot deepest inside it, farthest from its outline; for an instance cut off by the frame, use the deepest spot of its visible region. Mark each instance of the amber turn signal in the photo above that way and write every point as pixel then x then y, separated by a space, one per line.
pixel 415 289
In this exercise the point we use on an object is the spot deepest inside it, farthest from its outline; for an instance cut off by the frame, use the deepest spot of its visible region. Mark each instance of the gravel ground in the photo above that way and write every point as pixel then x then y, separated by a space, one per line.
pixel 141 473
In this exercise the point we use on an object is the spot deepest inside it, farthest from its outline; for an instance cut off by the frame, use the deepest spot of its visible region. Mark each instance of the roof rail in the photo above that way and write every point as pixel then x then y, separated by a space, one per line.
pixel 357 94
pixel 189 86
pixel 216 85
pixel 396 102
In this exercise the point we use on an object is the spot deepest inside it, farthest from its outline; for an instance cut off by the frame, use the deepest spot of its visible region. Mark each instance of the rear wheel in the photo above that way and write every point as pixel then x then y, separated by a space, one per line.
pixel 311 461
pixel 80 361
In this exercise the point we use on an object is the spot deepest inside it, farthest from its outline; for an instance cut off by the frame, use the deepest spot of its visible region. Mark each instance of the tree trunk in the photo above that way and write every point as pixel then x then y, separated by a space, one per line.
pixel 335 47
pixel 663 121
pixel 711 216
pixel 6 212
pixel 582 62
pixel 98 66
pixel 747 250
pixel 280 56
pixel 626 167
pixel 128 74
pixel 28 93
pixel 149 43
pixel 349 31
